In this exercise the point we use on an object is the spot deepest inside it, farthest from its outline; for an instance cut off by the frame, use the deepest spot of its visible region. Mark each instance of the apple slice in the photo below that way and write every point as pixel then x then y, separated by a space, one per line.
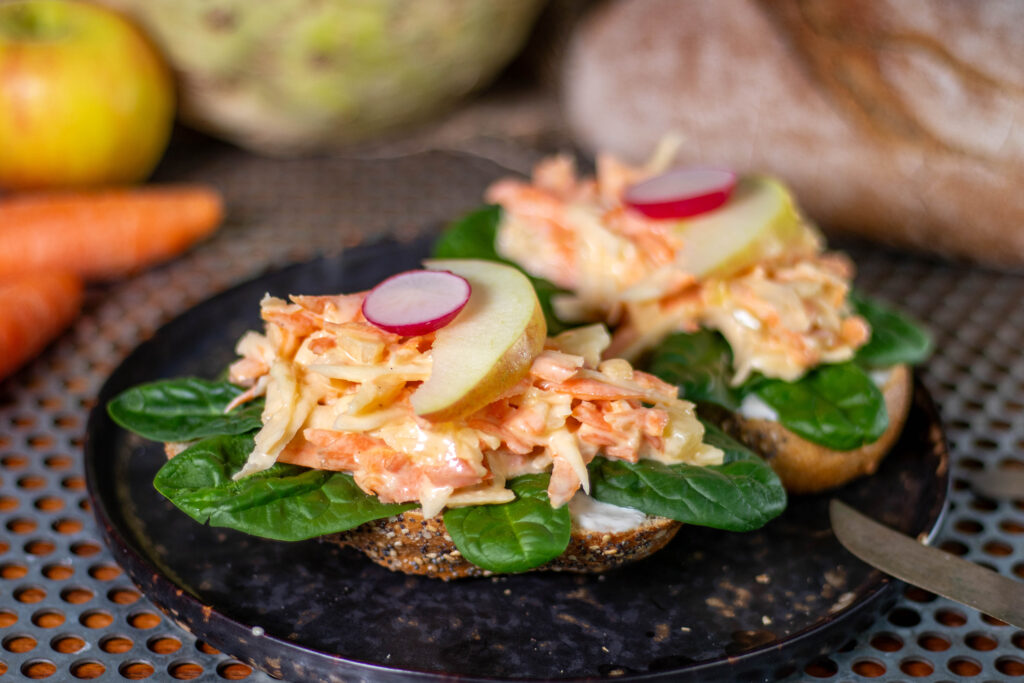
pixel 488 347
pixel 759 220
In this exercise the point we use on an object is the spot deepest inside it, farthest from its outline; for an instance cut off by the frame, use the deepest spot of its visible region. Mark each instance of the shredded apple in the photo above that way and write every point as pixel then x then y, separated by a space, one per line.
pixel 337 398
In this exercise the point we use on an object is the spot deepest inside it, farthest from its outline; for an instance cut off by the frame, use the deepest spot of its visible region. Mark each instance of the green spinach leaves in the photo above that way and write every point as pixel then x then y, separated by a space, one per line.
pixel 895 338
pixel 473 235
pixel 838 406
pixel 291 503
pixel 741 494
pixel 700 364
pixel 184 410
pixel 285 502
pixel 515 536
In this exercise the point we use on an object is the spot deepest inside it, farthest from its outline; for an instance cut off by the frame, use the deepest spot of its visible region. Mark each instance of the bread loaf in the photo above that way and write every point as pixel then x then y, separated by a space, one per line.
pixel 899 121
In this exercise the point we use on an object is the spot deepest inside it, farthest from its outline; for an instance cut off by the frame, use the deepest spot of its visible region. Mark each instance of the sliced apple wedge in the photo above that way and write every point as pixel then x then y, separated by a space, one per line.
pixel 759 220
pixel 488 347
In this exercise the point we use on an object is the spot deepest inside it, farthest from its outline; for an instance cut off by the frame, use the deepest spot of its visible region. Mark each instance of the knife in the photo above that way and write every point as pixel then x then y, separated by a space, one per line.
pixel 926 567
pixel 998 484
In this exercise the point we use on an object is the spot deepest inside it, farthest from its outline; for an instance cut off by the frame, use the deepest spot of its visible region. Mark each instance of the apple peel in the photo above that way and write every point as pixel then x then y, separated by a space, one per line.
pixel 417 301
pixel 488 348
pixel 681 192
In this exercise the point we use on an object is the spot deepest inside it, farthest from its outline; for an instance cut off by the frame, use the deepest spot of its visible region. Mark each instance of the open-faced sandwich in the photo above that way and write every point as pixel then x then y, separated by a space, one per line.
pixel 716 284
pixel 432 424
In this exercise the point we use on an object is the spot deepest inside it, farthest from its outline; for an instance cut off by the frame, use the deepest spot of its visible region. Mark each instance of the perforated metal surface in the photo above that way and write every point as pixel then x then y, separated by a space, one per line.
pixel 67 611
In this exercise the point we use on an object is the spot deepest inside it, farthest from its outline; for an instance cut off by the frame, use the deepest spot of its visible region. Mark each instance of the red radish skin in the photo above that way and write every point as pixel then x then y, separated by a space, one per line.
pixel 681 192
pixel 416 302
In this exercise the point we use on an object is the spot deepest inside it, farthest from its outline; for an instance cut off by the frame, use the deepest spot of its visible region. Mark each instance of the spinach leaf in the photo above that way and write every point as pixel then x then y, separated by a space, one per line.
pixel 700 364
pixel 733 449
pixel 741 494
pixel 183 409
pixel 284 502
pixel 895 337
pixel 473 235
pixel 515 536
pixel 837 406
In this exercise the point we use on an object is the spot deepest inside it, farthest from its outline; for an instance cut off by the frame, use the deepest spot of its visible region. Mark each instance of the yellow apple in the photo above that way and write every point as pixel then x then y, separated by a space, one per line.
pixel 85 98
pixel 488 347
pixel 759 220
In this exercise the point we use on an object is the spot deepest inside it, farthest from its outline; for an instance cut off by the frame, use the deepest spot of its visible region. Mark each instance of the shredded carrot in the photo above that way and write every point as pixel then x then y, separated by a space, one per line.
pixel 105 233
pixel 34 309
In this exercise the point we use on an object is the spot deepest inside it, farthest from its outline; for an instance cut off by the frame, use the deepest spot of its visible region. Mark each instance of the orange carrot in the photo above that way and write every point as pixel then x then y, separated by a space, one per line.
pixel 34 309
pixel 105 233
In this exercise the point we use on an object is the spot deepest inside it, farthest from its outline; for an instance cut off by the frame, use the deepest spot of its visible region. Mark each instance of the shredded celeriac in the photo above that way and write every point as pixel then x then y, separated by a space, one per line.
pixel 337 398
pixel 782 316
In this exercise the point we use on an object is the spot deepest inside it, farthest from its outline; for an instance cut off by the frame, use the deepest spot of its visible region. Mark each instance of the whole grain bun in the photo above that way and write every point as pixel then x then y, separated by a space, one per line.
pixel 411 544
pixel 896 120
pixel 806 467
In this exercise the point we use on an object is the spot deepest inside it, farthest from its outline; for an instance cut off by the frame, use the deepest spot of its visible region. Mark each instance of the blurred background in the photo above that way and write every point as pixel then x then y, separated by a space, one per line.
pixel 897 121
pixel 154 152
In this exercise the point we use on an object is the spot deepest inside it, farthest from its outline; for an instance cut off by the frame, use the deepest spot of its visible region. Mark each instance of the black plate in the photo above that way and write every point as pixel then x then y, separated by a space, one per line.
pixel 711 605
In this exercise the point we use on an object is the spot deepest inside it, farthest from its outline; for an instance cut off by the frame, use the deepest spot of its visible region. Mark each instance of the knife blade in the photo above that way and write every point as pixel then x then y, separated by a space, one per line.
pixel 1003 483
pixel 926 567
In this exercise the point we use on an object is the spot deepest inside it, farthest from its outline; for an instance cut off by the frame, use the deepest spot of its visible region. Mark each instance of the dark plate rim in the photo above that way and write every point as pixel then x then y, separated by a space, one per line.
pixel 152 581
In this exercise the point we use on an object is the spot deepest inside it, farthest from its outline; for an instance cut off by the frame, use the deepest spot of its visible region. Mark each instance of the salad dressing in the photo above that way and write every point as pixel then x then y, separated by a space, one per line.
pixel 782 315
pixel 338 398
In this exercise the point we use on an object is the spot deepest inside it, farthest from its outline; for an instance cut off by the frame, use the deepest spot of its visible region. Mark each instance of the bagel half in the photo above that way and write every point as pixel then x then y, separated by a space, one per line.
pixel 806 467
pixel 410 544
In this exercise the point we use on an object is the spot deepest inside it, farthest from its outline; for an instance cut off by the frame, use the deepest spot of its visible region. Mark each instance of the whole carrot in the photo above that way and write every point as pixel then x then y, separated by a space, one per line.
pixel 105 233
pixel 34 309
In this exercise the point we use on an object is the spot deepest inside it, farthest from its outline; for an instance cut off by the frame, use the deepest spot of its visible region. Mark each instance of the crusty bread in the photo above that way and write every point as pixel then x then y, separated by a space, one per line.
pixel 893 120
pixel 411 544
pixel 806 467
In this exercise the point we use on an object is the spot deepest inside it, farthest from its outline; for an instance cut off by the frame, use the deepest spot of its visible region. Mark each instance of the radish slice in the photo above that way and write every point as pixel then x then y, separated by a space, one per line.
pixel 416 302
pixel 681 192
